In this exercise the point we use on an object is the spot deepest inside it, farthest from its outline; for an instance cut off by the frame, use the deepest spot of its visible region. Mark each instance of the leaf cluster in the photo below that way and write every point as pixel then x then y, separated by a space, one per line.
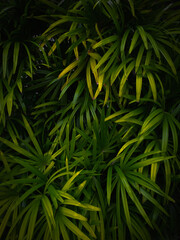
pixel 89 119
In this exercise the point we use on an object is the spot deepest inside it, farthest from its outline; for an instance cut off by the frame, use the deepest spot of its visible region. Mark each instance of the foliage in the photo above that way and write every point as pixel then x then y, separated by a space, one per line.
pixel 89 119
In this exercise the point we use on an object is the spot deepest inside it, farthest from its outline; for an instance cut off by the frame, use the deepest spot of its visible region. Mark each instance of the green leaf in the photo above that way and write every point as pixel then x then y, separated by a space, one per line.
pixel 107 54
pixel 165 135
pixel 63 228
pixel 153 119
pixel 100 194
pixel 27 194
pixel 146 182
pixel 88 79
pixel 113 14
pixel 105 41
pixel 127 144
pixel 15 56
pixel 32 136
pixel 138 86
pixel 174 134
pixel 32 219
pixel 72 227
pixel 132 195
pixel 150 162
pixel 88 228
pixel 143 36
pixel 112 60
pixel 116 114
pixel 131 3
pixel 125 77
pixel 10 101
pixel 20 181
pixel 153 200
pixel 109 188
pixel 133 41
pixel 30 59
pixel 24 225
pixel 5 219
pixel 18 149
pixel 168 58
pixel 123 44
pixel 139 58
pixel 69 183
pixel 152 84
pixel 48 212
pixel 72 214
pixel 126 208
pixel 100 85
pixel 154 45
pixel 168 175
pixel 68 68
pixel 5 58
pixel 117 71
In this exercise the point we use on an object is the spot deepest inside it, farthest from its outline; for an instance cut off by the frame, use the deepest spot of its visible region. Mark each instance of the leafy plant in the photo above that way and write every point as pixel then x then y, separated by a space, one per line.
pixel 89 119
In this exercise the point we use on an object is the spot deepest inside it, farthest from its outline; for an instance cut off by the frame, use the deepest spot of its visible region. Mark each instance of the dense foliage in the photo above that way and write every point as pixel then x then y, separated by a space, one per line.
pixel 89 119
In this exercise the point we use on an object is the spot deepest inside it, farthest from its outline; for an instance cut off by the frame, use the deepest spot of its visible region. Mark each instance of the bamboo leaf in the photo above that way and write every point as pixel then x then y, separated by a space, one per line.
pixel 109 188
pixel 32 220
pixel 63 229
pixel 138 86
pixel 24 225
pixel 15 56
pixel 116 114
pixel 88 79
pixel 131 3
pixel 152 121
pixel 112 60
pixel 18 149
pixel 168 58
pixel 69 183
pixel 27 194
pixel 88 228
pixel 167 176
pixel 154 45
pixel 132 195
pixel 68 68
pixel 139 58
pixel 72 227
pixel 165 135
pixel 117 71
pixel 93 68
pixel 147 183
pixel 126 145
pixel 133 41
pixel 32 136
pixel 153 200
pixel 107 54
pixel 149 162
pixel 30 59
pixel 174 134
pixel 105 41
pixel 5 58
pixel 100 85
pixel 72 214
pixel 5 219
pixel 48 212
pixel 143 36
pixel 152 84
pixel 10 101
pixel 126 208
pixel 123 44
pixel 125 77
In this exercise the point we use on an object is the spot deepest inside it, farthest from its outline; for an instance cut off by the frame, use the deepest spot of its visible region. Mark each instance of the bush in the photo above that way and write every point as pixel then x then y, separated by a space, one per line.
pixel 89 119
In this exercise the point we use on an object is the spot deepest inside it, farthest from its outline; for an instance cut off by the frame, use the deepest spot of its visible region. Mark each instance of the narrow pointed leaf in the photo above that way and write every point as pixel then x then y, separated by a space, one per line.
pixel 31 135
